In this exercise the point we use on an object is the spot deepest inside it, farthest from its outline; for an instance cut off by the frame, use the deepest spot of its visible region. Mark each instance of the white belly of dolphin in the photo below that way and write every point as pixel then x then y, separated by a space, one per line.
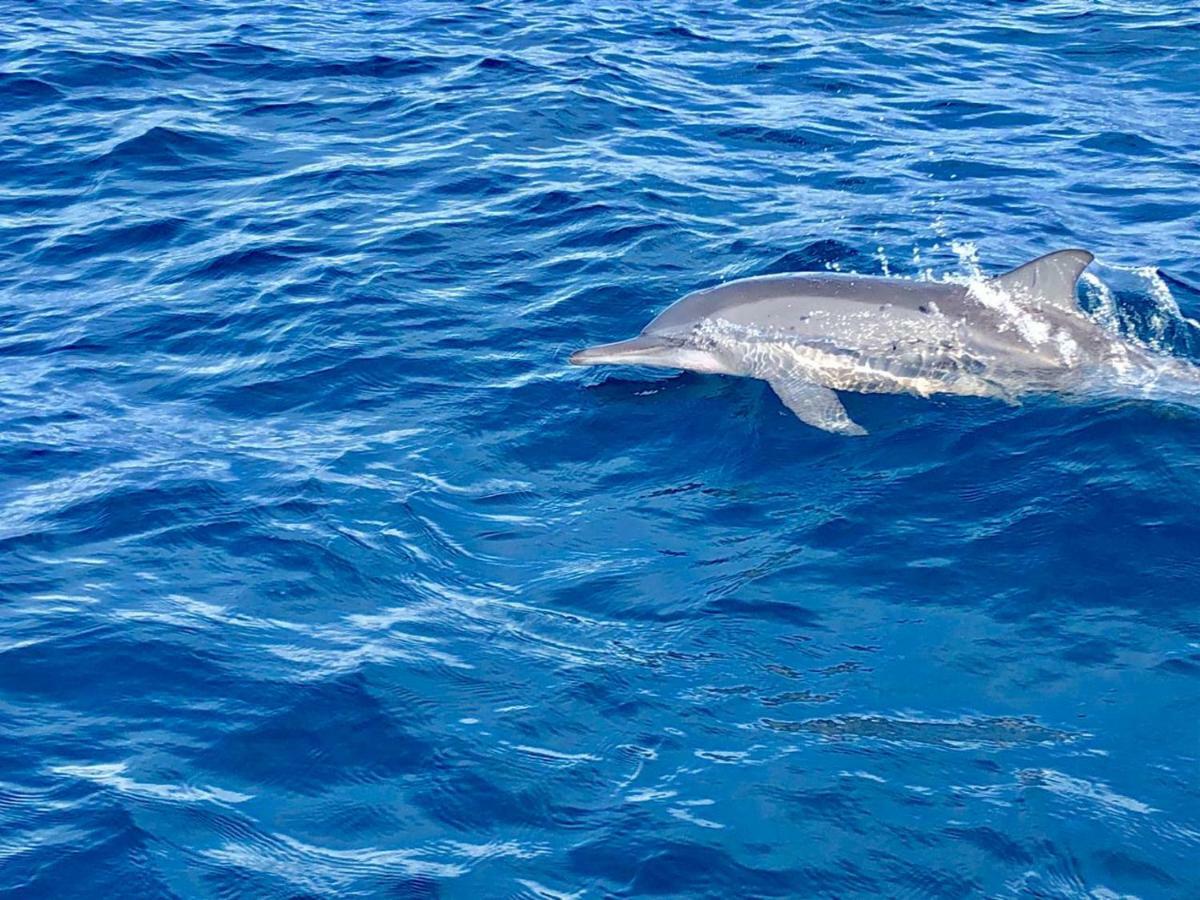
pixel 805 376
pixel 771 358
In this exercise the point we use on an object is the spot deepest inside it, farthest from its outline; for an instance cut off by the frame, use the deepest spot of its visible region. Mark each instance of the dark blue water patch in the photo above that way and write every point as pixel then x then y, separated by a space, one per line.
pixel 251 261
pixel 121 238
pixel 950 169
pixel 683 866
pixel 957 113
pixel 44 669
pixel 110 856
pixel 83 68
pixel 802 140
pixel 1163 212
pixel 25 93
pixel 1122 142
pixel 171 153
pixel 819 255
pixel 347 735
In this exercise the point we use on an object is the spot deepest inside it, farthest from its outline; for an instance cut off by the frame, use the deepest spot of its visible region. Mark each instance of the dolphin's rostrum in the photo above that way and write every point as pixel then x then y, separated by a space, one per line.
pixel 809 335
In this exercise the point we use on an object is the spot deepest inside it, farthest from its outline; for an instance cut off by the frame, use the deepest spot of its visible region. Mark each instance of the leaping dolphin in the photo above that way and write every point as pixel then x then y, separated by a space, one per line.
pixel 809 335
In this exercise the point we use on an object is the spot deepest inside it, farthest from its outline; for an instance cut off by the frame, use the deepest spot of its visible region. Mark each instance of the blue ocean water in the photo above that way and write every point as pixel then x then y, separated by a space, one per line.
pixel 322 574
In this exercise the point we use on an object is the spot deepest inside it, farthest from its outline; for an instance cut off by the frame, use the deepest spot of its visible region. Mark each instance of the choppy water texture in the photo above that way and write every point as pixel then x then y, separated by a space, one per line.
pixel 323 574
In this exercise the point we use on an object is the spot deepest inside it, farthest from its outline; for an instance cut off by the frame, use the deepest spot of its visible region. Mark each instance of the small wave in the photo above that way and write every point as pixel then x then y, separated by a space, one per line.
pixel 958 734
pixel 163 147
pixel 25 93
pixel 1122 142
pixel 1136 302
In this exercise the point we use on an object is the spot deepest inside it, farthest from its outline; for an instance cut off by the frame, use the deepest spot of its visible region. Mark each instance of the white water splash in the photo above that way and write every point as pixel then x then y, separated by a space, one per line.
pixel 1013 315
pixel 1160 291
pixel 1106 314
pixel 1145 281
pixel 968 257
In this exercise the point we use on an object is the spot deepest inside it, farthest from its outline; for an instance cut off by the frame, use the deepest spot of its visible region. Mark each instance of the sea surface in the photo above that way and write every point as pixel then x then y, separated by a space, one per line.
pixel 323 574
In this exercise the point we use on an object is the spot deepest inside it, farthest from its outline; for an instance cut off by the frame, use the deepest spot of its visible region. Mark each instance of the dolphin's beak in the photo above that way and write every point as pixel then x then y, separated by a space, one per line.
pixel 631 352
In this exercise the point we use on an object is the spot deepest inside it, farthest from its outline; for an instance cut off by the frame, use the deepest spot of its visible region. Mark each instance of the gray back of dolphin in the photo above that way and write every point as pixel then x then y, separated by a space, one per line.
pixel 809 335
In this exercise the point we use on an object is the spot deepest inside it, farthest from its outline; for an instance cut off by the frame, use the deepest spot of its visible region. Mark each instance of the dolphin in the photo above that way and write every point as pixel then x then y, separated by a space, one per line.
pixel 810 335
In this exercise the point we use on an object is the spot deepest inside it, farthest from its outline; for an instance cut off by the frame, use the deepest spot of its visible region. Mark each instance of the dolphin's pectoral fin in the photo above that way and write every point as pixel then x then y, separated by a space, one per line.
pixel 815 405
pixel 1011 400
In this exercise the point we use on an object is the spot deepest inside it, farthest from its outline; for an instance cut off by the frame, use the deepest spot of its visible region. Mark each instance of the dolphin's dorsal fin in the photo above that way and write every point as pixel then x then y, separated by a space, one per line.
pixel 1049 279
